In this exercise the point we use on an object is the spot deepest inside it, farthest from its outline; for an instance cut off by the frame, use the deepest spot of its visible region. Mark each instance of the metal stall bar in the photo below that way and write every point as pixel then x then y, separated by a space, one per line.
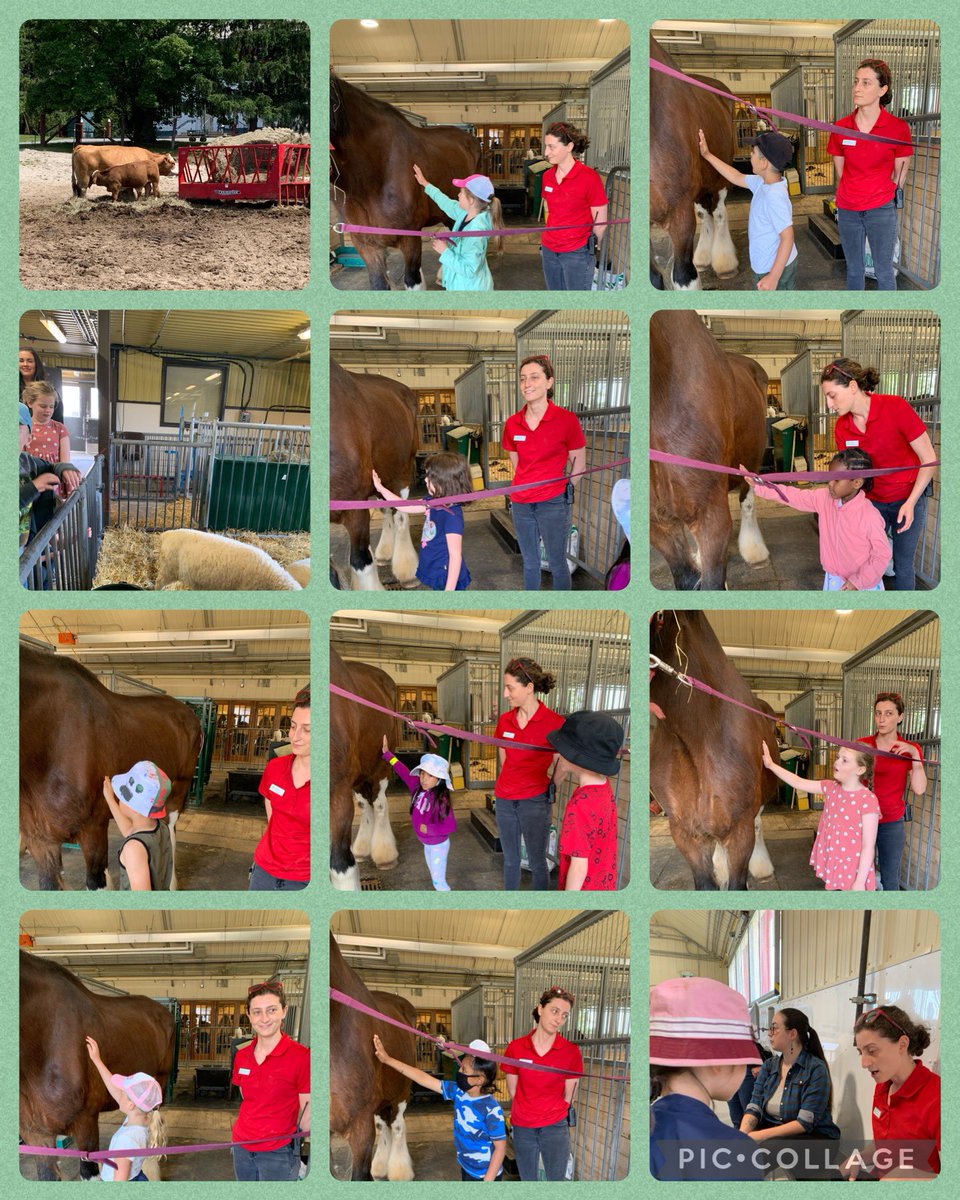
pixel 590 352
pixel 904 346
pixel 590 957
pixel 801 396
pixel 63 555
pixel 808 89
pixel 159 481
pixel 609 151
pixel 907 661
pixel 822 710
pixel 573 111
pixel 613 273
pixel 468 697
pixel 590 656
pixel 911 48
pixel 486 395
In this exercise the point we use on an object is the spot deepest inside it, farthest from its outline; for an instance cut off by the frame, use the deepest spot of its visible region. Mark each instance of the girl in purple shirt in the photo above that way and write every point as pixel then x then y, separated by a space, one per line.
pixel 431 809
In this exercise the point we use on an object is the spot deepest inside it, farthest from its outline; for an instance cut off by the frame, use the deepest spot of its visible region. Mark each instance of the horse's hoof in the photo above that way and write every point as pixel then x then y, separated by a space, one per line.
pixel 409 584
pixel 387 866
pixel 341 1161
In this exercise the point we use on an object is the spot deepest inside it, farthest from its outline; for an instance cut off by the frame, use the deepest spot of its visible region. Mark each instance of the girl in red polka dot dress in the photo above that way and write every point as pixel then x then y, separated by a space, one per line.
pixel 847 833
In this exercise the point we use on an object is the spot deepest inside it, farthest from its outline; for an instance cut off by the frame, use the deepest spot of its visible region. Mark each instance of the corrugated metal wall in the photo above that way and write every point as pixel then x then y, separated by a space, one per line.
pixel 468 696
pixel 486 396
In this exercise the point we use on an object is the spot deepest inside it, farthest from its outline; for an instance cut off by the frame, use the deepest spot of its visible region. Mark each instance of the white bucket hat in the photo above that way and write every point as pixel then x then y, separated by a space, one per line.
pixel 434 765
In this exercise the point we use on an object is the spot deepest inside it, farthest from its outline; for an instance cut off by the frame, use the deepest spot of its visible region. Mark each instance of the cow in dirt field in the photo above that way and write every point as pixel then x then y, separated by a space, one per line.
pixel 61 1091
pixel 87 159
pixel 138 177
pixel 73 732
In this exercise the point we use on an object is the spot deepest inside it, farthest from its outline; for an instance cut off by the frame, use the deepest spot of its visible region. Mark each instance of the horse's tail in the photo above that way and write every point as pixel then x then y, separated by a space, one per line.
pixel 496 216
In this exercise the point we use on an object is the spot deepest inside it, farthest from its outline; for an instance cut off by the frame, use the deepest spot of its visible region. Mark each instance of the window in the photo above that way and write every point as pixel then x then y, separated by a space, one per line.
pixel 192 390
pixel 754 971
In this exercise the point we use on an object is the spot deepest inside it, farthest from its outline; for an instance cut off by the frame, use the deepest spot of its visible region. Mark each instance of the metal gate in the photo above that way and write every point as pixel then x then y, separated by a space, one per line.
pixel 821 710
pixel 911 48
pixel 589 653
pixel 63 555
pixel 574 112
pixel 808 91
pixel 486 396
pixel 590 352
pixel 608 128
pixel 590 957
pixel 486 1012
pixel 159 481
pixel 904 346
pixel 468 696
pixel 800 395
pixel 907 661
pixel 614 271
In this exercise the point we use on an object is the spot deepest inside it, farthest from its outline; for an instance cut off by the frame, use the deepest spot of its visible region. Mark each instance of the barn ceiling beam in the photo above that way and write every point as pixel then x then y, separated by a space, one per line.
pixel 427 620
pixel 449 324
pixel 270 933
pixel 415 946
pixel 788 654
pixel 273 633
pixel 751 29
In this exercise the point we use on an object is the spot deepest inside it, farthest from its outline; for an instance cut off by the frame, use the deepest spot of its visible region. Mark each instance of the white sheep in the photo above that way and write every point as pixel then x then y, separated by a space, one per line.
pixel 197 561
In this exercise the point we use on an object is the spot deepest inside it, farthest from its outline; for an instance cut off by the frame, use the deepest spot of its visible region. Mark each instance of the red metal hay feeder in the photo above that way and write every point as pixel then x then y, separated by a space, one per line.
pixel 248 171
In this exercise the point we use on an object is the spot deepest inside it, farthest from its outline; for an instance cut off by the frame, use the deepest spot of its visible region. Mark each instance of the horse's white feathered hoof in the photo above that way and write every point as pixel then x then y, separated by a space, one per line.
pixel 346 881
pixel 367 580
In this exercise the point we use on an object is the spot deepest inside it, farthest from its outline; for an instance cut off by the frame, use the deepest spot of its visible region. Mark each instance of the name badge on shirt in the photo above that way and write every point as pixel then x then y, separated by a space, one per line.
pixel 548 188
pixel 274 787
pixel 877 1112
pixel 243 1070
pixel 507 733
pixel 519 437
pixel 529 1060
pixel 850 444
pixel 849 142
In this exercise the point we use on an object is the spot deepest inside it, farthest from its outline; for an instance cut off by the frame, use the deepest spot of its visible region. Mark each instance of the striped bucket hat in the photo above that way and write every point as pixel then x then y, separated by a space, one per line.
pixel 698 1022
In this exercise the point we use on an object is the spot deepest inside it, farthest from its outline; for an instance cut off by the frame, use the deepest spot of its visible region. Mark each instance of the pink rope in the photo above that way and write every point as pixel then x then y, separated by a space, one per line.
pixel 696 464
pixel 343 227
pixel 98 1156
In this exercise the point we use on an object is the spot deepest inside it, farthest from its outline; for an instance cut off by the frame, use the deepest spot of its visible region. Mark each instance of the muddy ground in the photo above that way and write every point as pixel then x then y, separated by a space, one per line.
pixel 155 244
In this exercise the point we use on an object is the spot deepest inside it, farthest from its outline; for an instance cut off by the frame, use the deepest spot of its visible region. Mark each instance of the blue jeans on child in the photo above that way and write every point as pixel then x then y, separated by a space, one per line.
pixel 531 819
pixel 549 521
pixel 905 543
pixel 281 1165
pixel 879 227
pixel 549 1142
pixel 891 836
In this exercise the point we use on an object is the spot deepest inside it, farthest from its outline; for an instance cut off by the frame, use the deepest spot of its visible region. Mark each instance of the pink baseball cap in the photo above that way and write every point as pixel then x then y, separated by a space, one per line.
pixel 479 185
pixel 699 1022
pixel 142 1089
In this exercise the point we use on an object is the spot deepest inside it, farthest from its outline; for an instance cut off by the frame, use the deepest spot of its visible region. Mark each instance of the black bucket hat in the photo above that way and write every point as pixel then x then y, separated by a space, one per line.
pixel 590 740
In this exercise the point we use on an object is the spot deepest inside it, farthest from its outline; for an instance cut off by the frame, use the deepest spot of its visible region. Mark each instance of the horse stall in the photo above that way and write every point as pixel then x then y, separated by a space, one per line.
pixel 206 694
pixel 821 673
pixel 483 972
pixel 486 90
pixel 448 670
pixel 808 90
pixel 182 420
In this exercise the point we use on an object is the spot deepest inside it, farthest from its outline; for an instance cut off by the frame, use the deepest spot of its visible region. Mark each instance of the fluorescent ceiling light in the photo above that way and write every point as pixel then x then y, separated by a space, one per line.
pixel 52 327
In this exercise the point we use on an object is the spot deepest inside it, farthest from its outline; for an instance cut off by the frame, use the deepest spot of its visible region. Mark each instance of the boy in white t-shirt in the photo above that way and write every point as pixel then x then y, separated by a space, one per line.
pixel 773 255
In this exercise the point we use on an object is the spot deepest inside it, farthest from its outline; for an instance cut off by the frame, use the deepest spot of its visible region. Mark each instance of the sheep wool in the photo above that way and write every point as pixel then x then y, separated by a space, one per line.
pixel 201 561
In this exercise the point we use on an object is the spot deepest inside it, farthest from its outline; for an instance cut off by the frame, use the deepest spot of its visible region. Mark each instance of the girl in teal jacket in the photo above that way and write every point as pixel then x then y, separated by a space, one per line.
pixel 464 260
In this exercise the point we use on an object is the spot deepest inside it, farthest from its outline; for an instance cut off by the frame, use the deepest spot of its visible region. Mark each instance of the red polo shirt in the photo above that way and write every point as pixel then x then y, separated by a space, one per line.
pixel 284 849
pixel 912 1113
pixel 271 1092
pixel 867 179
pixel 891 426
pixel 890 780
pixel 526 773
pixel 570 203
pixel 539 1097
pixel 542 453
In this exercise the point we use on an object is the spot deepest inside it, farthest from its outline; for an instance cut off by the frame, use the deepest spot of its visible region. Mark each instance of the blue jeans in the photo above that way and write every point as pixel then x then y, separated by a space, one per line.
pixel 531 818
pixel 549 1142
pixel 879 226
pixel 891 836
pixel 548 520
pixel 262 881
pixel 252 1166
pixel 569 270
pixel 904 544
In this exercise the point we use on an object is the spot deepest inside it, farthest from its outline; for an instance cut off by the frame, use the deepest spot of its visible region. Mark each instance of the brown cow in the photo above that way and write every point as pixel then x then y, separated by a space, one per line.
pixel 367 1098
pixel 373 426
pixel 138 177
pixel 706 770
pixel 73 731
pixel 61 1091
pixel 708 405
pixel 87 159
pixel 683 185
pixel 373 149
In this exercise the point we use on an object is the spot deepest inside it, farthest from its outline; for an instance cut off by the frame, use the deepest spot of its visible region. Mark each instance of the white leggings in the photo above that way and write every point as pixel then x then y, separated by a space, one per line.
pixel 436 857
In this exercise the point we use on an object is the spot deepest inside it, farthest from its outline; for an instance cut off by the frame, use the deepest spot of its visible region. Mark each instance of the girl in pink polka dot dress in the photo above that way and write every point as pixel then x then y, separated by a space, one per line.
pixel 847 833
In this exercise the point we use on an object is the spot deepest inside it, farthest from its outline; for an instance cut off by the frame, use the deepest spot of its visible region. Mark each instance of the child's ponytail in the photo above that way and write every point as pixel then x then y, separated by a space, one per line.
pixel 156 1131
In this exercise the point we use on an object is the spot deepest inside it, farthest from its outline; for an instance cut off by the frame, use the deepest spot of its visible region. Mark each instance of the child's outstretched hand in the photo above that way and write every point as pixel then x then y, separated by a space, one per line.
pixel 750 479
pixel 108 792
pixel 386 745
pixel 379 1050
pixel 378 486
pixel 767 757
pixel 92 1049
pixel 702 142
pixel 419 176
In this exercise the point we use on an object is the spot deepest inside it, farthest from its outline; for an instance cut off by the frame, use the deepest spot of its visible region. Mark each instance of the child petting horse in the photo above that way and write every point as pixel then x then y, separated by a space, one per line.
pixel 463 260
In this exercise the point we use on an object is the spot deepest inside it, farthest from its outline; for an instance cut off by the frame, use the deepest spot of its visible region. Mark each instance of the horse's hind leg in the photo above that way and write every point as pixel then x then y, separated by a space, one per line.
pixel 46 855
pixel 699 851
pixel 682 229
pixel 399 1164
pixel 670 538
pixel 344 874
pixel 93 843
pixel 412 251
pixel 375 260
pixel 86 1136
pixel 738 849
pixel 381 1152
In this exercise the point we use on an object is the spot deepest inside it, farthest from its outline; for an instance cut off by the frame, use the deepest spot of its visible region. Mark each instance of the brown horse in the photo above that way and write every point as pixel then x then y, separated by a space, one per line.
pixel 373 426
pixel 683 185
pixel 367 1098
pixel 706 770
pixel 708 405
pixel 373 149
pixel 358 771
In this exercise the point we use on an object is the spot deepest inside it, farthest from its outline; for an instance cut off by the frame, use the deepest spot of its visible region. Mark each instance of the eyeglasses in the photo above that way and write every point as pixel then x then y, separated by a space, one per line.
pixel 870 1018
pixel 775 1028
pixel 840 371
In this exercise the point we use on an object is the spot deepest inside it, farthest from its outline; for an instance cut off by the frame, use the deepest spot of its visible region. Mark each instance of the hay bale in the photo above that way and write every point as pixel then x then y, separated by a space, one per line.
pixel 277 136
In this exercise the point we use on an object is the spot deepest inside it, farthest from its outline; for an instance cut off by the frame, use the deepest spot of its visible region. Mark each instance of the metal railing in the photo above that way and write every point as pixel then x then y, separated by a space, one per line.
pixel 63 555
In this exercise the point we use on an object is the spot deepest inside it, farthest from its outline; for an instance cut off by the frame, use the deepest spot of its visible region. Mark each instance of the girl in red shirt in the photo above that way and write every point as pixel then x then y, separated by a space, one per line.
pixel 892 433
pixel 281 861
pixel 868 176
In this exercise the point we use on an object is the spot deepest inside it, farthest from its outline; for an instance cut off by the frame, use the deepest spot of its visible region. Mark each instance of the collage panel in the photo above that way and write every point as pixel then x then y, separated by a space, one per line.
pixel 521 418
pixel 503 1040
pixel 181 162
pixel 795 750
pixel 180 756
pixel 480 750
pixel 795 155
pixel 165 449
pixel 170 1030
pixel 795 1045
pixel 481 154
pixel 842 406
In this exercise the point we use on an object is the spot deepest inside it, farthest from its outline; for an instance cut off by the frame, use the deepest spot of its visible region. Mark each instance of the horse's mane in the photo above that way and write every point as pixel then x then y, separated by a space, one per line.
pixel 345 100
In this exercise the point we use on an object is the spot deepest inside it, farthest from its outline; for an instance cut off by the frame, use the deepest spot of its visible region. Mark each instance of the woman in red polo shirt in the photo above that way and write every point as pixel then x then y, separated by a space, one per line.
pixel 273 1075
pixel 891 432
pixel 522 790
pixel 906 1098
pixel 890 776
pixel 868 175
pixel 281 861
pixel 543 441
pixel 541 1100
pixel 574 195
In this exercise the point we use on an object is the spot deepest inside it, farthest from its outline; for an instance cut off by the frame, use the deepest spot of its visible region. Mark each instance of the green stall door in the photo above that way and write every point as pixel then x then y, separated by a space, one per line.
pixel 264 497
